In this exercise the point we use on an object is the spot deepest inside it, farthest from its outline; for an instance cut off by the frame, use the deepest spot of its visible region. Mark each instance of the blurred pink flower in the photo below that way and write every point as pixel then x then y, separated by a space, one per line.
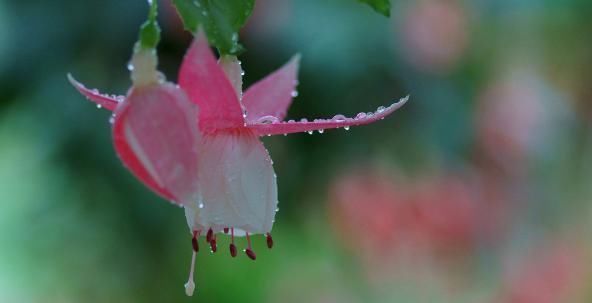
pixel 197 144
pixel 510 118
pixel 434 34
pixel 377 216
pixel 548 274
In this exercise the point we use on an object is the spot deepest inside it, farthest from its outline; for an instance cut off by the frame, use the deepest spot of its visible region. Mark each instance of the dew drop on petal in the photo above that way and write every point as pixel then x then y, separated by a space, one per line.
pixel 200 205
pixel 339 118
pixel 361 116
pixel 346 127
pixel 268 120
pixel 294 94
pixel 380 109
pixel 303 120
pixel 310 132
pixel 99 106
pixel 321 131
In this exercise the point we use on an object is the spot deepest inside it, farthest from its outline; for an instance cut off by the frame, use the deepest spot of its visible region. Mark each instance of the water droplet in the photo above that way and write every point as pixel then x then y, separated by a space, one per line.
pixel 130 67
pixel 310 132
pixel 160 77
pixel 285 135
pixel 112 120
pixel 361 116
pixel 277 209
pixel 291 121
pixel 346 127
pixel 339 118
pixel 99 106
pixel 242 72
pixel 380 109
pixel 268 120
pixel 200 205
pixel 303 120
pixel 321 131
pixel 294 93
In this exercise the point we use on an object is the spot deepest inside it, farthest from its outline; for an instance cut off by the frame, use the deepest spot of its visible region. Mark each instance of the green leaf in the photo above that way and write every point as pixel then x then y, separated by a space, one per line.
pixel 150 31
pixel 221 20
pixel 381 6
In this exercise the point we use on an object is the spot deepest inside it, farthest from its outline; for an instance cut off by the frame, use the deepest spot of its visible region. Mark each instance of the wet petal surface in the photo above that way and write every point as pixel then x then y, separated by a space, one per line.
pixel 106 101
pixel 269 126
pixel 207 85
pixel 155 135
pixel 237 184
pixel 273 95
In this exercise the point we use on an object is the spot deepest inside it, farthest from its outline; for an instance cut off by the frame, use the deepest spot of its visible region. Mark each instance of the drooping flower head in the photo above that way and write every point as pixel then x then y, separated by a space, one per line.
pixel 197 143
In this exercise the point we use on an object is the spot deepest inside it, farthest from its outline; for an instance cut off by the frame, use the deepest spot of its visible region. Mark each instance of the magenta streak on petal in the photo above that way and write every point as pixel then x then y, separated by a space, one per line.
pixel 109 102
pixel 207 86
pixel 272 95
pixel 277 128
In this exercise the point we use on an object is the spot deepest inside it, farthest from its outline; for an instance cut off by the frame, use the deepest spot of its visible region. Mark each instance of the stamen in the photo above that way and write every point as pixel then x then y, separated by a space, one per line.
pixel 249 251
pixel 232 246
pixel 213 245
pixel 190 285
pixel 210 235
pixel 194 241
pixel 226 230
pixel 269 241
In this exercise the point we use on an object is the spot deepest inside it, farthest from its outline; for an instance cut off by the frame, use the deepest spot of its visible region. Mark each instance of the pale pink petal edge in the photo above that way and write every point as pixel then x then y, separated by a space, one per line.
pixel 109 102
pixel 272 95
pixel 267 128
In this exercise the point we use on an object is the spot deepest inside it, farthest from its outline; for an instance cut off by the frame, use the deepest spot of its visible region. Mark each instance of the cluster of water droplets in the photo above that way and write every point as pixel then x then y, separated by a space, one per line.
pixel 380 113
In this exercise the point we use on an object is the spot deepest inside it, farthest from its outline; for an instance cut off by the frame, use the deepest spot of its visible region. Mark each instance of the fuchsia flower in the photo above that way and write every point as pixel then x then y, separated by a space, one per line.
pixel 196 144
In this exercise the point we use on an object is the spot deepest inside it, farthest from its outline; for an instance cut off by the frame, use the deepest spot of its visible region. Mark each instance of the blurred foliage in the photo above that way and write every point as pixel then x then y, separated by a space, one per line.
pixel 381 6
pixel 500 108
pixel 221 19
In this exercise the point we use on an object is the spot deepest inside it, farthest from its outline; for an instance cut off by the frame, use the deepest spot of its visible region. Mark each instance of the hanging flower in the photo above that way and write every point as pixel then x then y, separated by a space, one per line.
pixel 197 144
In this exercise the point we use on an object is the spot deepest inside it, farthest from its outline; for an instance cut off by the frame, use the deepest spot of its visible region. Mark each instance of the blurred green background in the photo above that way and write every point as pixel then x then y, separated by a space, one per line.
pixel 478 190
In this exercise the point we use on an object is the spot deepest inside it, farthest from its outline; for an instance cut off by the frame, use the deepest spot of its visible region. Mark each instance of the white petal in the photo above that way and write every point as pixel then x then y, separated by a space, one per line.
pixel 238 186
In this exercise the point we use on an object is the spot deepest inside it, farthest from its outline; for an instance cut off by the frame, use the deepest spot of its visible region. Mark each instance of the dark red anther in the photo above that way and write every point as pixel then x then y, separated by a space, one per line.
pixel 251 254
pixel 213 245
pixel 194 242
pixel 225 230
pixel 210 235
pixel 232 250
pixel 269 241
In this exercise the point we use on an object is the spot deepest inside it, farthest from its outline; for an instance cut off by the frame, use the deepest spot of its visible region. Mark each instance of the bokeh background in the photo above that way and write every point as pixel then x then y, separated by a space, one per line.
pixel 478 190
